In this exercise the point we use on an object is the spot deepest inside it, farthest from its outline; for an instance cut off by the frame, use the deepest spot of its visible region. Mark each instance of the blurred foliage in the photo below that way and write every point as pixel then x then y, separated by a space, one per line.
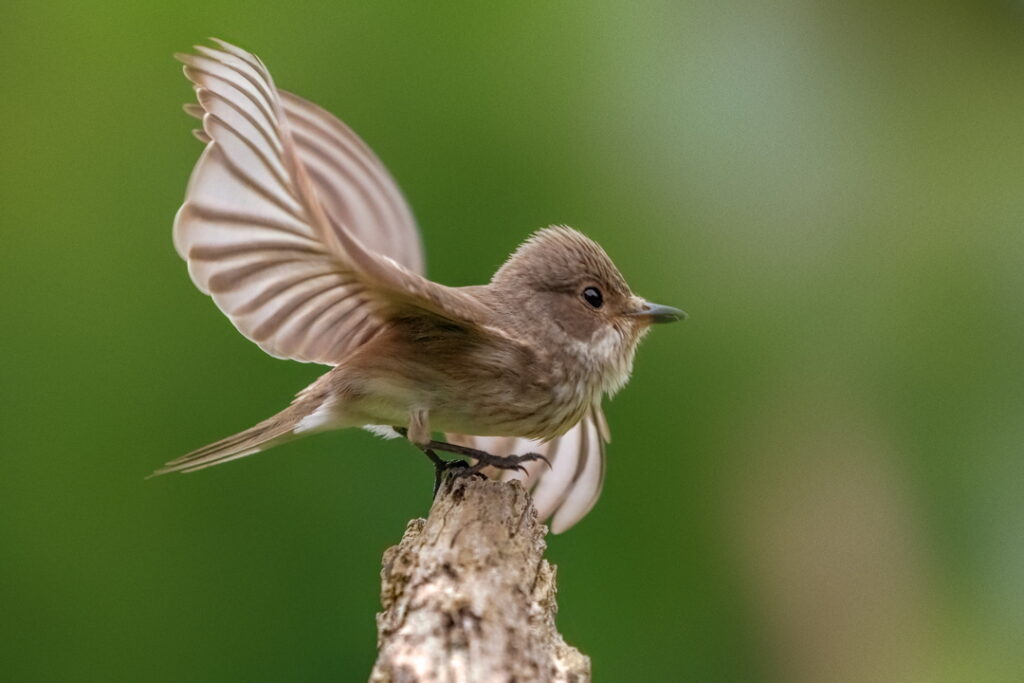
pixel 816 478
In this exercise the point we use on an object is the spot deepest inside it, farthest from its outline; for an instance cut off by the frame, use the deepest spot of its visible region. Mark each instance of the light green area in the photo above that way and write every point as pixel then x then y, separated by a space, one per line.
pixel 817 477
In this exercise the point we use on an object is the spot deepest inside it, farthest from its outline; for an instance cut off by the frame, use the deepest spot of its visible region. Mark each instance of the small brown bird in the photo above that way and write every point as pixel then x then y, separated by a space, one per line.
pixel 305 242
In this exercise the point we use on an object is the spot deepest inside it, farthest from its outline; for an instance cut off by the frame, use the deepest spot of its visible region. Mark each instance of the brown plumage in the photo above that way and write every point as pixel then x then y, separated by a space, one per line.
pixel 303 239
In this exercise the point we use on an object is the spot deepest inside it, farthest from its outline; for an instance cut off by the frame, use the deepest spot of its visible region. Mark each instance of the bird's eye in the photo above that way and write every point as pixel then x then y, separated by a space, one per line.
pixel 592 295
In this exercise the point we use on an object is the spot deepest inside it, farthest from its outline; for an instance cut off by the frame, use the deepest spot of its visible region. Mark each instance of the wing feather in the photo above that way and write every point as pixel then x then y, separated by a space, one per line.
pixel 292 224
pixel 569 490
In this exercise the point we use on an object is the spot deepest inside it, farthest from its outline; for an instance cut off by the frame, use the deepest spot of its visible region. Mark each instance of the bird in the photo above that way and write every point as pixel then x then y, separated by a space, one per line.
pixel 305 242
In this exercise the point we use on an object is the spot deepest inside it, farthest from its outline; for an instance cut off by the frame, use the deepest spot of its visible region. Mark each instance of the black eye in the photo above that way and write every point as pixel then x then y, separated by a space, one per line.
pixel 593 297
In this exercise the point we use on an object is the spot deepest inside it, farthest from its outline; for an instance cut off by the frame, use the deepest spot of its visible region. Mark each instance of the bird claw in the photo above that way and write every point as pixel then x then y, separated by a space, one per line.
pixel 506 462
pixel 483 459
pixel 541 458
pixel 475 469
pixel 442 466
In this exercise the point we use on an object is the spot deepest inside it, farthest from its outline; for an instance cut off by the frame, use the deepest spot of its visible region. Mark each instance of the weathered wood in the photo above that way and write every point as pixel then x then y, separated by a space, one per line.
pixel 468 595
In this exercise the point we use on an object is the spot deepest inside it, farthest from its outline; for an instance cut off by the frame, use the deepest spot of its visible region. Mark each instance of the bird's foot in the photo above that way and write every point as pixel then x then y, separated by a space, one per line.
pixel 441 466
pixel 503 462
pixel 483 459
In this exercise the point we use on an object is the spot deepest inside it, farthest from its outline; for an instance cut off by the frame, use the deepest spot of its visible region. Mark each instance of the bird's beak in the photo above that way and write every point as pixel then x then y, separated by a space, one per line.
pixel 656 313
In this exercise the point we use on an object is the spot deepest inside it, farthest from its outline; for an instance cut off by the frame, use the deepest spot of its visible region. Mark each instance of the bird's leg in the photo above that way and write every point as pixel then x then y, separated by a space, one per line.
pixel 485 459
pixel 440 465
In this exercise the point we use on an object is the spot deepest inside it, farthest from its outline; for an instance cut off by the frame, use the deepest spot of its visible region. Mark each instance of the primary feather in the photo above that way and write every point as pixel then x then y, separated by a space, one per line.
pixel 291 223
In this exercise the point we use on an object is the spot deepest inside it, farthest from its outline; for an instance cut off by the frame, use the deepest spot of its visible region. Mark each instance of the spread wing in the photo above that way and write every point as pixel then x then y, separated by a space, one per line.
pixel 292 224
pixel 569 490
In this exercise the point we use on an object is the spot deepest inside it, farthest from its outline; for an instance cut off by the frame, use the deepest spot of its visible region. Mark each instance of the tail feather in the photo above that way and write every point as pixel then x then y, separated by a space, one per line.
pixel 262 436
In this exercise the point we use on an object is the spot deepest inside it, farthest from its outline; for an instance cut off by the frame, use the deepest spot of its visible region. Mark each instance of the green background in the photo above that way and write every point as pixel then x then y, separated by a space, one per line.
pixel 818 477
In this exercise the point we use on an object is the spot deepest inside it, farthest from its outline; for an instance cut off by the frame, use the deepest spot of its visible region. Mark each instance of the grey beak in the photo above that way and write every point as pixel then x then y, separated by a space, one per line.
pixel 657 313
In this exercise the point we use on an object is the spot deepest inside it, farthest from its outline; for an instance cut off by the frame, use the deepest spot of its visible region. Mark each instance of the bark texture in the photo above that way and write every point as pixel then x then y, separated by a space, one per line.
pixel 468 595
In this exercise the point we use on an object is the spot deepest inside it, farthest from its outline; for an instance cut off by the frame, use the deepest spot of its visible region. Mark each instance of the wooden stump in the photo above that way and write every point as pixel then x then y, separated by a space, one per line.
pixel 468 595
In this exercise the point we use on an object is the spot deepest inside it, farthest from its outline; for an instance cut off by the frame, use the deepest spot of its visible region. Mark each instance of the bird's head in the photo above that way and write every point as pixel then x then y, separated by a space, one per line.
pixel 561 283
